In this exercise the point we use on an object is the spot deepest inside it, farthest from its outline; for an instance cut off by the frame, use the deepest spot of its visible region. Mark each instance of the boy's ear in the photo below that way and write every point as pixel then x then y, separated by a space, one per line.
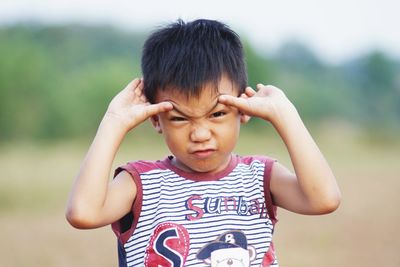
pixel 244 118
pixel 155 121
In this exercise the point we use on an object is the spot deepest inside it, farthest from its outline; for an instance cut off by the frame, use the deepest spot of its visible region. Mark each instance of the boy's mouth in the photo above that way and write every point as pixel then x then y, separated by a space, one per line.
pixel 203 153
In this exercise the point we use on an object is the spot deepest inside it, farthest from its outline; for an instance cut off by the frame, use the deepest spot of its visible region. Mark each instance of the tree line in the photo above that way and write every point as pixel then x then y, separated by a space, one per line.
pixel 56 81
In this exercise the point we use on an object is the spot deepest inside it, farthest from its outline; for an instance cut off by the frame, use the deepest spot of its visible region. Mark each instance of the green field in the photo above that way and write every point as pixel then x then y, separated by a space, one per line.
pixel 35 180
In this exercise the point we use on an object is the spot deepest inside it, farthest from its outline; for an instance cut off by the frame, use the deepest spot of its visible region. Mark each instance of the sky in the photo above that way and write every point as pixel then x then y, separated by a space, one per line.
pixel 335 30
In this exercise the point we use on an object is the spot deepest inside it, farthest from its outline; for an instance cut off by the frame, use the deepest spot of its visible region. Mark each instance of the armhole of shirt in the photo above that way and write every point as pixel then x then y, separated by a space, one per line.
pixel 124 227
pixel 271 208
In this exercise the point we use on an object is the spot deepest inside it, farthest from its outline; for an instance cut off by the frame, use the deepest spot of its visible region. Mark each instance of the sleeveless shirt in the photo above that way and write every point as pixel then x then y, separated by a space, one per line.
pixel 195 219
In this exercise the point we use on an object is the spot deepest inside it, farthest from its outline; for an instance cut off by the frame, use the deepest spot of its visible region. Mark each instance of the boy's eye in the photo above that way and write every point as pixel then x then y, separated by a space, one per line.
pixel 218 114
pixel 177 119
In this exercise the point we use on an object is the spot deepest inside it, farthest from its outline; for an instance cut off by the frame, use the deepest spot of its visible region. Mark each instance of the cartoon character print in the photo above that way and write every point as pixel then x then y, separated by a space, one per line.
pixel 169 247
pixel 229 250
pixel 232 250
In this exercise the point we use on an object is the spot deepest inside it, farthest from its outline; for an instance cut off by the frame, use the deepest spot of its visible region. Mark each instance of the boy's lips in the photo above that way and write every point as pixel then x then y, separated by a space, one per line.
pixel 203 153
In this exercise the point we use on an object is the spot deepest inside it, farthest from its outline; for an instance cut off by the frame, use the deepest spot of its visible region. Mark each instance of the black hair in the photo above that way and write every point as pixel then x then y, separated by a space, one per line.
pixel 187 56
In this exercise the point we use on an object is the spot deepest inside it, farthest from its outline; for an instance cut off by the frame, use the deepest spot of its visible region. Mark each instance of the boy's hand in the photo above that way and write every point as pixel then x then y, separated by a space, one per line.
pixel 268 103
pixel 130 107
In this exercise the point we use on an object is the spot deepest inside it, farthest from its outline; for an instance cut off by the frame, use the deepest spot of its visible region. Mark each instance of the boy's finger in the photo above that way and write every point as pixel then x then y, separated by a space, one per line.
pixel 141 84
pixel 244 118
pixel 154 109
pixel 130 87
pixel 133 84
pixel 259 86
pixel 249 91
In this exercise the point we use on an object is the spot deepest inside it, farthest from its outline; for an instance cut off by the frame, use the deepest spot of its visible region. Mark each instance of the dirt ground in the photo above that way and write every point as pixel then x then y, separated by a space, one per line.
pixel 35 180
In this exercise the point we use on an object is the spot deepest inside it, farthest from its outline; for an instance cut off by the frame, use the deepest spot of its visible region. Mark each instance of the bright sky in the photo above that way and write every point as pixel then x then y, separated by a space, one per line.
pixel 335 30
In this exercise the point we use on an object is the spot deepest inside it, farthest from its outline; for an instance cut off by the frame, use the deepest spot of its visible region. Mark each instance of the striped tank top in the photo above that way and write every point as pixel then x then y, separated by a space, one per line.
pixel 197 219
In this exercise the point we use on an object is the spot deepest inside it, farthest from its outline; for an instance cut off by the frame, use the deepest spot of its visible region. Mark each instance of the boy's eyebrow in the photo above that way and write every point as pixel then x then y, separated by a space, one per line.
pixel 188 116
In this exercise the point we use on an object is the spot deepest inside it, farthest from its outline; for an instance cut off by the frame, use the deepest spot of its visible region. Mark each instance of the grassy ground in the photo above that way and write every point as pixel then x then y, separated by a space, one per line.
pixel 35 180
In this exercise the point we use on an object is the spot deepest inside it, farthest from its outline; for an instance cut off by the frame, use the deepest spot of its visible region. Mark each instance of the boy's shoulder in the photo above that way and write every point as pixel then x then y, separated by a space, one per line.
pixel 256 161
pixel 248 159
pixel 142 166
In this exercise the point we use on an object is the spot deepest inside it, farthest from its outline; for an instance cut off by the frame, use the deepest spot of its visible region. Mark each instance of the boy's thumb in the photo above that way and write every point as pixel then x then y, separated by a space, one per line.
pixel 154 109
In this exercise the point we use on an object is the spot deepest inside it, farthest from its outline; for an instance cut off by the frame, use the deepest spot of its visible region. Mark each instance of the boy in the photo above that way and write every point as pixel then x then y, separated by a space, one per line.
pixel 203 205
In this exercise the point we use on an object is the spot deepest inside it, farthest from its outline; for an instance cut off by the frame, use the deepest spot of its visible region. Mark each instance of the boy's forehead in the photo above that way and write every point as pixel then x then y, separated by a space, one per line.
pixel 210 95
pixel 209 91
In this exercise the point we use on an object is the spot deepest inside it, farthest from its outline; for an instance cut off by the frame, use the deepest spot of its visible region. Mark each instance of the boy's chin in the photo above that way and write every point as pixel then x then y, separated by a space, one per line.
pixel 205 166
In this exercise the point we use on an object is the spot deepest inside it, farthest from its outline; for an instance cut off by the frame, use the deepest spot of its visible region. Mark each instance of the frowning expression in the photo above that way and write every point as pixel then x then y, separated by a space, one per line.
pixel 200 132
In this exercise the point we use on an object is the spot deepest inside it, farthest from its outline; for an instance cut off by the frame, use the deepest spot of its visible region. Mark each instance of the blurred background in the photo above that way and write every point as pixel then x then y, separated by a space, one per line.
pixel 61 62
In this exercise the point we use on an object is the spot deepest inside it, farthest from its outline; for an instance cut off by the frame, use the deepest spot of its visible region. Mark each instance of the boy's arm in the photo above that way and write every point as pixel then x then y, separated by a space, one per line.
pixel 94 200
pixel 313 188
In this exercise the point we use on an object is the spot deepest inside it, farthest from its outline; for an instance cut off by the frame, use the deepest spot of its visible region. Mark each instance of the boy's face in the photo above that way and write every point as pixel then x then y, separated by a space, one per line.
pixel 200 132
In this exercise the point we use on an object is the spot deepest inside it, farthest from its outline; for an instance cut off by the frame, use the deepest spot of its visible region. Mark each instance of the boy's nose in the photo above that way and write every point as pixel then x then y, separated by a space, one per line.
pixel 200 133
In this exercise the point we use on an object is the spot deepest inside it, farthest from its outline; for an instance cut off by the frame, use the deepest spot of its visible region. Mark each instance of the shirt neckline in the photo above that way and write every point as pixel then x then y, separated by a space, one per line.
pixel 201 176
